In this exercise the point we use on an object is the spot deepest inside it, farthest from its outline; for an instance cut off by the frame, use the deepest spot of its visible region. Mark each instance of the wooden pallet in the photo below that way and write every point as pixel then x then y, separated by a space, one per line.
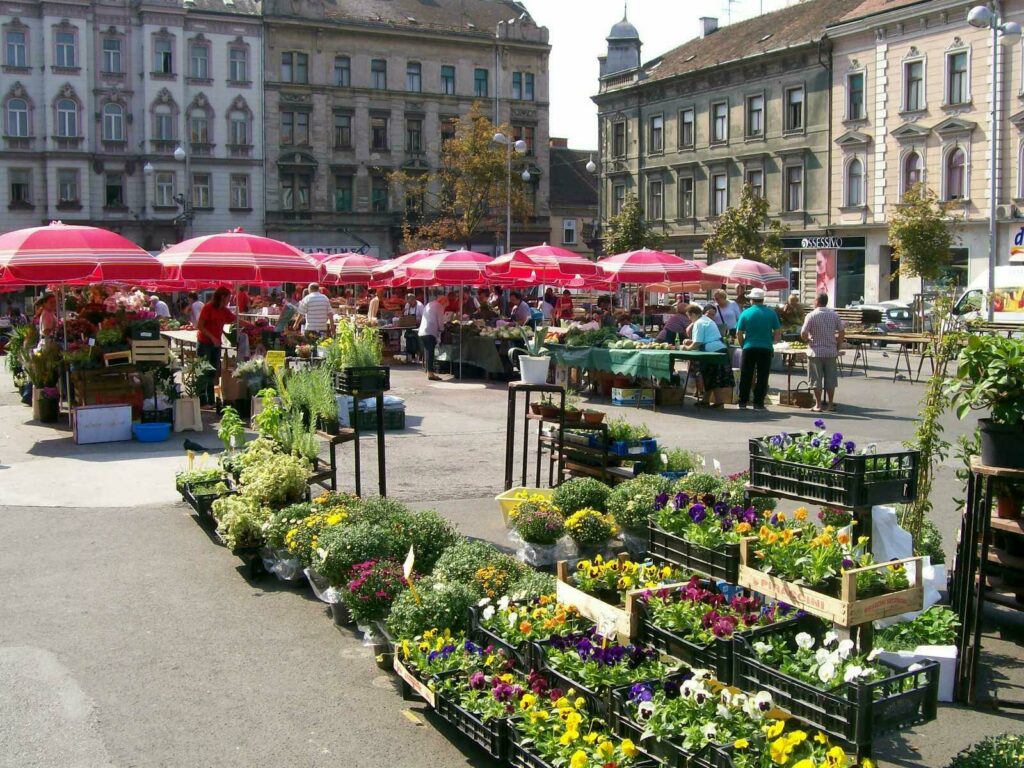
pixel 155 351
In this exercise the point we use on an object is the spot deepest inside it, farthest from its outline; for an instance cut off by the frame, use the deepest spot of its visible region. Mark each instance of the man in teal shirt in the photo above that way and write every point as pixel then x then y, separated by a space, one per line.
pixel 756 331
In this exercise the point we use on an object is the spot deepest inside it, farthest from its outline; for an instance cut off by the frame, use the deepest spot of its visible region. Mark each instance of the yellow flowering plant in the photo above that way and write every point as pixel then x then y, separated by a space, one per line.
pixel 789 743
pixel 437 651
pixel 589 528
pixel 561 733
pixel 605 578
pixel 303 539
pixel 518 622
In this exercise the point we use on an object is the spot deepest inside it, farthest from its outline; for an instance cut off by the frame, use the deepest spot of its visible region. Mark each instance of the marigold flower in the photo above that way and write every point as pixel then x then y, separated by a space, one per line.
pixel 525 627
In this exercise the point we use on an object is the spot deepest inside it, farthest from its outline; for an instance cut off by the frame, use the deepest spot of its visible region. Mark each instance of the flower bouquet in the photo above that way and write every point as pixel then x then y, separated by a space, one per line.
pixel 821 679
pixel 512 626
pixel 593 665
pixel 559 733
pixel 827 573
pixel 696 623
pixel 824 467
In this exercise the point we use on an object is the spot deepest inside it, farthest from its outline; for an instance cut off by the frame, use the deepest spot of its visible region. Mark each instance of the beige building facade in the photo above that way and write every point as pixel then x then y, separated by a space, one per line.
pixel 911 94
pixel 354 94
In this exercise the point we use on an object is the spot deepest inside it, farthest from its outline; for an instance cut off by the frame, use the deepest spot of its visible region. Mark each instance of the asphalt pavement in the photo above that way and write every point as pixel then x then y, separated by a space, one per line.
pixel 127 638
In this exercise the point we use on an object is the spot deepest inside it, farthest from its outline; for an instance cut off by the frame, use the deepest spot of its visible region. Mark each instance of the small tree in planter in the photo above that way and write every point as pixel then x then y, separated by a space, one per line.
pixel 187 413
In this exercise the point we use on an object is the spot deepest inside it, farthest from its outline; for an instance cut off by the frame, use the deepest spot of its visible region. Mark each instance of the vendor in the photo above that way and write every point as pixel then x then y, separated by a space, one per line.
pixel 626 328
pixel 742 301
pixel 374 306
pixel 675 325
pixel 242 299
pixel 484 311
pixel 209 334
pixel 520 313
pixel 413 308
pixel 46 316
pixel 716 379
pixel 792 313
pixel 563 307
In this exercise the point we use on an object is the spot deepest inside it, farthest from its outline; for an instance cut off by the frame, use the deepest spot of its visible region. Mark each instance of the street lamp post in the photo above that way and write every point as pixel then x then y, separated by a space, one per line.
pixel 519 147
pixel 981 16
pixel 147 175
pixel 184 198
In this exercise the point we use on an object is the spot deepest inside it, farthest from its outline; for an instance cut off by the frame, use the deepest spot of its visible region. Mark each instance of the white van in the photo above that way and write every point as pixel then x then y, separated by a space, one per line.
pixel 1008 298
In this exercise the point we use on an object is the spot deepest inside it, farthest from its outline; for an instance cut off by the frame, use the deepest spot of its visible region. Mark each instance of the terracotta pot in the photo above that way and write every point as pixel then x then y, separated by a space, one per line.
pixel 593 417
pixel 1008 507
pixel 549 411
pixel 537 409
pixel 573 417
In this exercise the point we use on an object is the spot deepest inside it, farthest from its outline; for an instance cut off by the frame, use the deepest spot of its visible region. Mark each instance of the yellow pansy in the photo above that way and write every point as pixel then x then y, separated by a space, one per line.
pixel 797 737
pixel 570 735
pixel 581 703
pixel 774 728
pixel 821 738
pixel 591 737
pixel 780 751
pixel 836 758
pixel 527 701
pixel 579 759
pixel 805 763
pixel 628 748
pixel 741 743
pixel 606 749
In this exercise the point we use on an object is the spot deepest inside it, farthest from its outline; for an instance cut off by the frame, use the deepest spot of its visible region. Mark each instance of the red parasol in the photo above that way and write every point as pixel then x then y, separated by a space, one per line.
pixel 745 272
pixel 542 263
pixel 391 273
pixel 59 252
pixel 448 268
pixel 646 266
pixel 239 257
pixel 349 269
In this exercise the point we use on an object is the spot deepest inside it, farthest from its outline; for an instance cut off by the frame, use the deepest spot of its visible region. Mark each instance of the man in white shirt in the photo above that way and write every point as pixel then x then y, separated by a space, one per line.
pixel 195 306
pixel 316 309
pixel 431 325
pixel 412 308
pixel 159 307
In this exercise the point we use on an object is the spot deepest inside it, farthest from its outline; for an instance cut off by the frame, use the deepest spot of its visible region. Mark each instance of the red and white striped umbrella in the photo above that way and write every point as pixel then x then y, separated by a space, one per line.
pixel 58 253
pixel 745 272
pixel 646 266
pixel 348 269
pixel 448 268
pixel 239 257
pixel 541 263
pixel 391 273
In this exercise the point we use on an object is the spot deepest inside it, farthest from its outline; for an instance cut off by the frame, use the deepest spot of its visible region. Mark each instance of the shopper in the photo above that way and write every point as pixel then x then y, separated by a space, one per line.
pixel 46 316
pixel 742 299
pixel 757 331
pixel 675 325
pixel 413 308
pixel 242 300
pixel 520 314
pixel 195 307
pixel 209 334
pixel 316 309
pixel 159 307
pixel 564 309
pixel 373 307
pixel 431 325
pixel 728 312
pixel 717 378
pixel 823 331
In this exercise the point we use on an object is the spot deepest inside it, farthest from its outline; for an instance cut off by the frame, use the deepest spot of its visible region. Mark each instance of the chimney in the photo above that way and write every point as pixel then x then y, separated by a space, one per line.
pixel 558 143
pixel 708 24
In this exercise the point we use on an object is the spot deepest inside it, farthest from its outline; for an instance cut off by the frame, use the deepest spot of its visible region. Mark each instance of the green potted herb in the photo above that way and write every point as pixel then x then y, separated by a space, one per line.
pixel 573 415
pixel 532 357
pixel 988 378
pixel 187 413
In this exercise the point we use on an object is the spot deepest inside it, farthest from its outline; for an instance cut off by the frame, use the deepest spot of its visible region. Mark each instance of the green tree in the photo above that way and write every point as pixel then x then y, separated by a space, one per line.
pixel 921 234
pixel 628 230
pixel 744 231
pixel 467 194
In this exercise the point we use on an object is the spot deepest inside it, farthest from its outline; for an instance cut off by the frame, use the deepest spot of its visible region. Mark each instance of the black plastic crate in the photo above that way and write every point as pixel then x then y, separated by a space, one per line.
pixel 858 480
pixel 203 503
pixel 160 416
pixel 522 656
pixel 715 657
pixel 520 756
pixel 366 380
pixel 597 700
pixel 853 713
pixel 722 563
pixel 490 735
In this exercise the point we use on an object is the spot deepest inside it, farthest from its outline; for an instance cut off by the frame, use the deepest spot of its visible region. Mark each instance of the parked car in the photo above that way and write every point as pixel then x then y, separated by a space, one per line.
pixel 897 317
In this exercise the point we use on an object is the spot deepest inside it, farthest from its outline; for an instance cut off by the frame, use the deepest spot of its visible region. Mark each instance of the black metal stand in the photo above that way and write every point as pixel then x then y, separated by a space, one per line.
pixel 382 482
pixel 975 582
pixel 514 389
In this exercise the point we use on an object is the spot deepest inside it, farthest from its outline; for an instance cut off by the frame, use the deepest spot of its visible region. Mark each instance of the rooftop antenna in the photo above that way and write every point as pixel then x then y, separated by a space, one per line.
pixel 728 10
pixel 625 9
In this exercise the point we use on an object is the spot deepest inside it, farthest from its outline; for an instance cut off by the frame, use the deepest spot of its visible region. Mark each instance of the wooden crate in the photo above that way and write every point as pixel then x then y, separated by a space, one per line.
pixel 155 351
pixel 845 610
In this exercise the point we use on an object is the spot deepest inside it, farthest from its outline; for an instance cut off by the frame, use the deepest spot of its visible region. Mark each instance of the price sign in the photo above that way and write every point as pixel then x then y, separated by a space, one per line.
pixel 275 359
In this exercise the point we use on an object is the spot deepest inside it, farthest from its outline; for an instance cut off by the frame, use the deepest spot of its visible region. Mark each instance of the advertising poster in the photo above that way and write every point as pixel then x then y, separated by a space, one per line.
pixel 825 282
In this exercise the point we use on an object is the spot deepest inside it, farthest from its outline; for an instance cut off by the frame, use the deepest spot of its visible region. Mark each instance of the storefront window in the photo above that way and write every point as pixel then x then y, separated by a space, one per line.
pixel 849 277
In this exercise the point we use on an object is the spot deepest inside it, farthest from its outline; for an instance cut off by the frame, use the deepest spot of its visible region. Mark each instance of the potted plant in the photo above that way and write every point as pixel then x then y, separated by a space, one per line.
pixel 187 413
pixel 532 357
pixel 590 530
pixel 1008 499
pixel 42 365
pixel 592 417
pixel 548 409
pixel 988 377
pixel 539 525
pixel 49 405
pixel 304 351
pixel 573 414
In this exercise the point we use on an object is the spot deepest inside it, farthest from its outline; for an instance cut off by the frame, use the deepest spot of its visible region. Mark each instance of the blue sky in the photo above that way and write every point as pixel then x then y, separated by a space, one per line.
pixel 578 29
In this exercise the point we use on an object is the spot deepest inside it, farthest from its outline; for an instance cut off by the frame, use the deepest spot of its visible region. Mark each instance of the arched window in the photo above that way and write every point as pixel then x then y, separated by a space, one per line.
pixel 855 183
pixel 17 118
pixel 163 123
pixel 912 171
pixel 955 182
pixel 67 118
pixel 239 122
pixel 113 122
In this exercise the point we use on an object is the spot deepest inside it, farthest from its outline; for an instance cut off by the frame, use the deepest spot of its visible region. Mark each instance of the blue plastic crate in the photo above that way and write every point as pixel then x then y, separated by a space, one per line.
pixel 639 448
pixel 154 432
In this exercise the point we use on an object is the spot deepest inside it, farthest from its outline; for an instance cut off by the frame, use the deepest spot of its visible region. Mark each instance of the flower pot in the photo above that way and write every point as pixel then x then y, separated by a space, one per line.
pixel 45 409
pixel 537 409
pixel 593 417
pixel 534 370
pixel 549 411
pixel 573 417
pixel 341 614
pixel 1008 507
pixel 188 415
pixel 1002 445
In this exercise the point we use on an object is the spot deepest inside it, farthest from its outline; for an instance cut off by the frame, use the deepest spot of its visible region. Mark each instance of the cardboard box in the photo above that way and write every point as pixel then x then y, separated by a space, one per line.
pixel 632 396
pixel 101 423
pixel 669 395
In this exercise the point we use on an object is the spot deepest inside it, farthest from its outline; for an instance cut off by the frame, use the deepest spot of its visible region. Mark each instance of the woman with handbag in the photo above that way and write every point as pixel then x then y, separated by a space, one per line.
pixel 717 377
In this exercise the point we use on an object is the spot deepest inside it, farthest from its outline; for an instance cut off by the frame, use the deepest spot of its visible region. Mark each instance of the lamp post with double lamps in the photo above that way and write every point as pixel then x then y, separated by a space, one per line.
pixel 517 147
pixel 184 198
pixel 1007 33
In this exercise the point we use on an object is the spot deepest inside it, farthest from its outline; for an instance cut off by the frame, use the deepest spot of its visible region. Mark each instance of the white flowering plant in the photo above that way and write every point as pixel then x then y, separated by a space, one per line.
pixel 826 662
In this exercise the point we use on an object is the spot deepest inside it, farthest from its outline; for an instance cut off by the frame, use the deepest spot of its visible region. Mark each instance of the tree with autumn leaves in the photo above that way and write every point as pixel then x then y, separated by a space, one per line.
pixel 467 195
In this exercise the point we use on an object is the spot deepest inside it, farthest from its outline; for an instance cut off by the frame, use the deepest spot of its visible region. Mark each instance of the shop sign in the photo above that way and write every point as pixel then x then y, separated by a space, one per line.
pixel 821 243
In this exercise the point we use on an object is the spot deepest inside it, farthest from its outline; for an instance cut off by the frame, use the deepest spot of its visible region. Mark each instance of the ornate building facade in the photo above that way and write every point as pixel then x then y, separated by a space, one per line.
pixel 355 92
pixel 143 116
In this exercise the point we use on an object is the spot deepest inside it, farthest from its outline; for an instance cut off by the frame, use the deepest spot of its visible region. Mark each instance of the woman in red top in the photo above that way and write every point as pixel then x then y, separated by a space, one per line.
pixel 209 333
pixel 563 307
